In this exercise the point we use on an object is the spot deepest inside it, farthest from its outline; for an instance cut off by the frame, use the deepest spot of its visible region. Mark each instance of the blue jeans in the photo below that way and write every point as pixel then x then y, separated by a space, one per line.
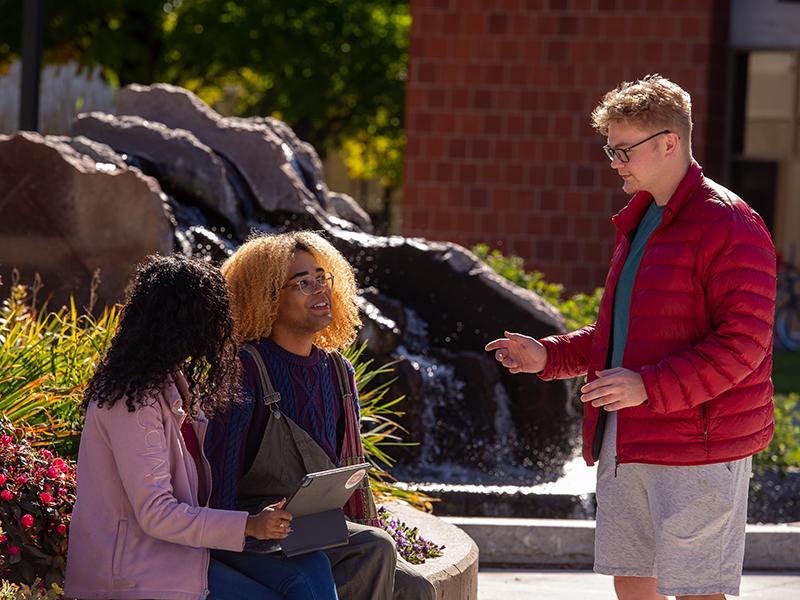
pixel 226 583
pixel 306 577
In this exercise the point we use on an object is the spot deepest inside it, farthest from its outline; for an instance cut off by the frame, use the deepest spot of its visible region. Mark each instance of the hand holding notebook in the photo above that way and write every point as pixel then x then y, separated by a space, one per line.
pixel 315 507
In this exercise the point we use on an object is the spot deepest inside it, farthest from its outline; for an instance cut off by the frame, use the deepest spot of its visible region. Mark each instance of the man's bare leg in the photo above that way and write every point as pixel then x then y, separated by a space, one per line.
pixel 637 588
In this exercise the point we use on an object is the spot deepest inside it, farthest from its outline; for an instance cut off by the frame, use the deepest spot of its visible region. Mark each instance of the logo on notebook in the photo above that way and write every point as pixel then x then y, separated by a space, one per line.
pixel 355 479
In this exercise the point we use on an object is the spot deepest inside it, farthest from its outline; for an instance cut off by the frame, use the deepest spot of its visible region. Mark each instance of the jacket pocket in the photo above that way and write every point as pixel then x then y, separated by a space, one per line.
pixel 119 547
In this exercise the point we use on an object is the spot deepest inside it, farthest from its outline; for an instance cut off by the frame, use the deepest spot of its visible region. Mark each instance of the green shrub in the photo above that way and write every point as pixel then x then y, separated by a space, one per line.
pixel 578 310
pixel 46 358
pixel 784 450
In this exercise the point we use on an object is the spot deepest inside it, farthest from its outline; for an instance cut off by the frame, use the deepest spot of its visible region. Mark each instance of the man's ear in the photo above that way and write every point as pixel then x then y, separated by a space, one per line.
pixel 671 143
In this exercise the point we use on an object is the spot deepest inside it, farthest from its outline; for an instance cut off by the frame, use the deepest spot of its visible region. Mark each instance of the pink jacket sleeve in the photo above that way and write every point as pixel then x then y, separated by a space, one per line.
pixel 568 354
pixel 139 445
pixel 740 298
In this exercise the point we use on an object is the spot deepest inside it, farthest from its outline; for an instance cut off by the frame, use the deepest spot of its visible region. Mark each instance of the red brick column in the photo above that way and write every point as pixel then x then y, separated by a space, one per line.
pixel 500 149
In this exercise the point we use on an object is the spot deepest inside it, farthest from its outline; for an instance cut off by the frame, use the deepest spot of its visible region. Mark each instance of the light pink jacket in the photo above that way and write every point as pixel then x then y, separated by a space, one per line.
pixel 137 529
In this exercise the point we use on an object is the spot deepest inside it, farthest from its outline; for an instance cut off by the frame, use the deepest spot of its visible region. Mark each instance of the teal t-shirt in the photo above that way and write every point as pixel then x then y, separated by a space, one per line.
pixel 622 295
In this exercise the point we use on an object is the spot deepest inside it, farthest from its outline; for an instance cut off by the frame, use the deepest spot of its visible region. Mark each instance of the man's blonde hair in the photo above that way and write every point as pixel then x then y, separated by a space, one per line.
pixel 257 271
pixel 653 102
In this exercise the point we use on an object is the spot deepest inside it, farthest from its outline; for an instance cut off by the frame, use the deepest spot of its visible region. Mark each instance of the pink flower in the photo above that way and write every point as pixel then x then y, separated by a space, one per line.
pixel 3 539
pixel 5 440
pixel 6 495
pixel 13 550
pixel 45 497
pixel 52 472
pixel 61 529
pixel 62 491
pixel 47 454
pixel 26 520
pixel 22 479
pixel 60 464
pixel 2 479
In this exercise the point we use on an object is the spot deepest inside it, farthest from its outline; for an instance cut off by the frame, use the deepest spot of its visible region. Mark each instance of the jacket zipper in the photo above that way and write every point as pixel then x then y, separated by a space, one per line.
pixel 647 245
pixel 705 428
pixel 206 465
pixel 210 483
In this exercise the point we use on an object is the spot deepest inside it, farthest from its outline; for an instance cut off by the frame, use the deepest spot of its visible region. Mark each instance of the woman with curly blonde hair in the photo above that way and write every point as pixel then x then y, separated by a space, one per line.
pixel 293 298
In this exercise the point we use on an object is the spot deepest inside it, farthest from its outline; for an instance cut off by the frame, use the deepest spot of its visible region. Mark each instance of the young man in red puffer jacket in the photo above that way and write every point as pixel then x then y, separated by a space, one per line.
pixel 678 395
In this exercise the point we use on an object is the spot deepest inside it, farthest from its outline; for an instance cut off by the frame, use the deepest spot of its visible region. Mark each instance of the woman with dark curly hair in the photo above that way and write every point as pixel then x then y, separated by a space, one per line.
pixel 141 526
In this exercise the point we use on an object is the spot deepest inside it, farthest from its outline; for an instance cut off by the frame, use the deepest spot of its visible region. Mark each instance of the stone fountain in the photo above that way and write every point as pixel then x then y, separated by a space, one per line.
pixel 167 173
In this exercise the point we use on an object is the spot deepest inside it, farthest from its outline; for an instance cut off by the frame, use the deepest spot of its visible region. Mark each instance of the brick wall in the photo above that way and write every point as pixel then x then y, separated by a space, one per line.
pixel 500 149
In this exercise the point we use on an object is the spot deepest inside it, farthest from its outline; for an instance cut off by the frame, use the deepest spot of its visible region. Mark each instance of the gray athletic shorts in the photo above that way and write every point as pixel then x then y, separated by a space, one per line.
pixel 682 525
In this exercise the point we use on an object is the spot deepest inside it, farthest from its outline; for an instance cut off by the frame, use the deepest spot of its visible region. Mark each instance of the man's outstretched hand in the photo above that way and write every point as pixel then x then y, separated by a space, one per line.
pixel 519 353
pixel 614 389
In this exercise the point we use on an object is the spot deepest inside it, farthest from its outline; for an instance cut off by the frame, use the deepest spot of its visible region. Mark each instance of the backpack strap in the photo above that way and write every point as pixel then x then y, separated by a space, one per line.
pixel 361 505
pixel 342 375
pixel 271 397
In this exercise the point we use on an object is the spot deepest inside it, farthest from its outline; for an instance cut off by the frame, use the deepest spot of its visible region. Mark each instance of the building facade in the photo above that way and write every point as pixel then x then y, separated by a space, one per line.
pixel 500 149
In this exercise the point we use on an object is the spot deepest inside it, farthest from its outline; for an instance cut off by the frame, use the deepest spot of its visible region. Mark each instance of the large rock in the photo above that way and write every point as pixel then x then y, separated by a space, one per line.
pixel 100 153
pixel 430 306
pixel 65 216
pixel 348 209
pixel 254 149
pixel 309 166
pixel 462 408
pixel 183 162
pixel 381 332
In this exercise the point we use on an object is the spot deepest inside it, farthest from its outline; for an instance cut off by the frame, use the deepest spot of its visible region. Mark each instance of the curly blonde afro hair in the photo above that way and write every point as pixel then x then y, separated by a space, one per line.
pixel 257 271
pixel 653 102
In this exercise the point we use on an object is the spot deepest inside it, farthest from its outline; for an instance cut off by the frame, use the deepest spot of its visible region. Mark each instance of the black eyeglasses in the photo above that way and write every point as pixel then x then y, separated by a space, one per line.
pixel 621 154
pixel 309 285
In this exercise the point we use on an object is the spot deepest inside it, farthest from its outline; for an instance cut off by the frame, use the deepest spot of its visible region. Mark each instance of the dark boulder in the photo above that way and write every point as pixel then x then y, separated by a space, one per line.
pixel 182 162
pixel 66 216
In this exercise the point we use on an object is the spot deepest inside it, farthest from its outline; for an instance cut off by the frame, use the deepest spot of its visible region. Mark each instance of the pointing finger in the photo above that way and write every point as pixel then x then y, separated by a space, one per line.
pixel 515 337
pixel 496 344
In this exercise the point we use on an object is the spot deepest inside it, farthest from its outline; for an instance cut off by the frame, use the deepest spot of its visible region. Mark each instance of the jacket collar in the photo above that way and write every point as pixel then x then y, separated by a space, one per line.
pixel 176 388
pixel 631 214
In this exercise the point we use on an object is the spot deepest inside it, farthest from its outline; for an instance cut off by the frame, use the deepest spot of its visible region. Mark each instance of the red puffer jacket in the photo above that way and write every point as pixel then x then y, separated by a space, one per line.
pixel 700 331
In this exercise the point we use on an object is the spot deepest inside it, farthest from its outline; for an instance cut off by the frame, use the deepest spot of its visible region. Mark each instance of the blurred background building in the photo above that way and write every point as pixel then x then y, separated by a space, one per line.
pixel 499 146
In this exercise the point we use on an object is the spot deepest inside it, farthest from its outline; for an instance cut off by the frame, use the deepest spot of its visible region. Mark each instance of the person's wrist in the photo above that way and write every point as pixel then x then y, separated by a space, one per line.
pixel 249 526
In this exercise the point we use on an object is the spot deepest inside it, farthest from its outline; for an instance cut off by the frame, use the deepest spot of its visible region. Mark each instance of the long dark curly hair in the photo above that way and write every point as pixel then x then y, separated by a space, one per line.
pixel 177 316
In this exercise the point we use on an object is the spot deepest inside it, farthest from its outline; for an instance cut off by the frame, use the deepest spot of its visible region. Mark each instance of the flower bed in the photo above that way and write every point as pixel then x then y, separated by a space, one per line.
pixel 410 544
pixel 37 491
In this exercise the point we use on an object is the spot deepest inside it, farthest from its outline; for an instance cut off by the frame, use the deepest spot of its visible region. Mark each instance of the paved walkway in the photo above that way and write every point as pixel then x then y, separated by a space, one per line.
pixel 501 584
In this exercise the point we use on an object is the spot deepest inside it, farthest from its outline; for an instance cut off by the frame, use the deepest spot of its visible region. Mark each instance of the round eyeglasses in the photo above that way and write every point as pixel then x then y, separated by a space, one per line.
pixel 309 285
pixel 621 154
